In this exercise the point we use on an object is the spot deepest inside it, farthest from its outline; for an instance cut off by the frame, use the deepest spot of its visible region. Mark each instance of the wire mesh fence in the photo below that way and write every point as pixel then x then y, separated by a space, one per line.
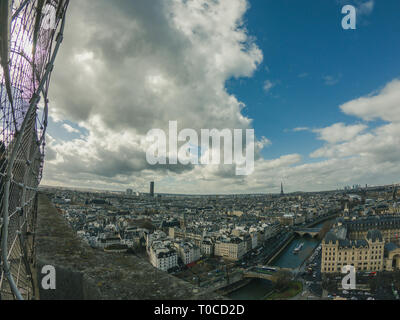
pixel 30 35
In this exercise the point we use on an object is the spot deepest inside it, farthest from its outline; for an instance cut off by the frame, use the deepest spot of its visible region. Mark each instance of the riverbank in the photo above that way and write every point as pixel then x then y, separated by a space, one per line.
pixel 280 250
pixel 233 287
pixel 294 289
pixel 256 289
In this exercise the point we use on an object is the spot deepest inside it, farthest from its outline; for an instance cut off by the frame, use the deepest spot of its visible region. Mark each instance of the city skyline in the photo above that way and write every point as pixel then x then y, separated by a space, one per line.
pixel 319 126
pixel 199 150
pixel 356 188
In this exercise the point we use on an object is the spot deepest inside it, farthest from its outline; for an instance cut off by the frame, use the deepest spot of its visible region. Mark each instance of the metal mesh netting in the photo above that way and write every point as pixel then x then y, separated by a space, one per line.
pixel 30 35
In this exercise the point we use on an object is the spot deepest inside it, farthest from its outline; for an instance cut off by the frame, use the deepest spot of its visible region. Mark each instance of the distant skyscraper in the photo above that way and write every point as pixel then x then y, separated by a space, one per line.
pixel 152 189
pixel 282 193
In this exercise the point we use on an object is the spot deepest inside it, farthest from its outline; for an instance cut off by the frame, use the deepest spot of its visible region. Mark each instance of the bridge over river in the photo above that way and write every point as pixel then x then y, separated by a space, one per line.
pixel 266 273
pixel 312 232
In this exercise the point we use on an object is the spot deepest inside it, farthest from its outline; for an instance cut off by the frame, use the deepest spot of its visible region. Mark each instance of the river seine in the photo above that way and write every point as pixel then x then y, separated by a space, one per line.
pixel 259 288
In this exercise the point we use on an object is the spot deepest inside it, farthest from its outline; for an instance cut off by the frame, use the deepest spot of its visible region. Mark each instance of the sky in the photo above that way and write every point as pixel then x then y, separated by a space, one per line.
pixel 324 102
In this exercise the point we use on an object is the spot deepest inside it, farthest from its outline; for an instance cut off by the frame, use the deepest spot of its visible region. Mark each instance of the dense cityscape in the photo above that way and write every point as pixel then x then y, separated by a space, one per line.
pixel 192 155
pixel 231 243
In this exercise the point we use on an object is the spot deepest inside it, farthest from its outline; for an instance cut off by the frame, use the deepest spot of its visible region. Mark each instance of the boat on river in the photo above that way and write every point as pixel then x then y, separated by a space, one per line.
pixel 298 248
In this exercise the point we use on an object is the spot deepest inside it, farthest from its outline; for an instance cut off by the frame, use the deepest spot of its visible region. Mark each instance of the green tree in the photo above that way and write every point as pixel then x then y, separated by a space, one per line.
pixel 282 280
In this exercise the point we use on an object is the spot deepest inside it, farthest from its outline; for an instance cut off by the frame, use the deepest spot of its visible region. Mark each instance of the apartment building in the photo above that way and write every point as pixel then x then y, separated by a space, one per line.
pixel 162 257
pixel 230 248
pixel 207 247
pixel 188 252
pixel 162 254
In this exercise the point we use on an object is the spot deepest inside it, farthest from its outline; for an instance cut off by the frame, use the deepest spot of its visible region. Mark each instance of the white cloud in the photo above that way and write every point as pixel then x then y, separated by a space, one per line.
pixel 365 8
pixel 70 129
pixel 154 61
pixel 339 132
pixel 148 63
pixel 268 85
pixel 373 148
pixel 300 129
pixel 384 105
pixel 331 80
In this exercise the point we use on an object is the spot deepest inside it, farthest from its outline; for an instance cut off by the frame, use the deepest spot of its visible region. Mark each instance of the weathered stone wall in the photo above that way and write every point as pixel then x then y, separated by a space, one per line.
pixel 83 273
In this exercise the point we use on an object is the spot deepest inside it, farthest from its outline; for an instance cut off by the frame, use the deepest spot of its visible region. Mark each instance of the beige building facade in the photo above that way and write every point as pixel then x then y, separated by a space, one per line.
pixel 233 249
pixel 370 244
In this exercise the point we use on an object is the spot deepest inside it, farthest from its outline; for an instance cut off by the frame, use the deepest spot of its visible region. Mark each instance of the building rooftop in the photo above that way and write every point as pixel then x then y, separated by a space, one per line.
pixel 390 247
pixel 374 235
